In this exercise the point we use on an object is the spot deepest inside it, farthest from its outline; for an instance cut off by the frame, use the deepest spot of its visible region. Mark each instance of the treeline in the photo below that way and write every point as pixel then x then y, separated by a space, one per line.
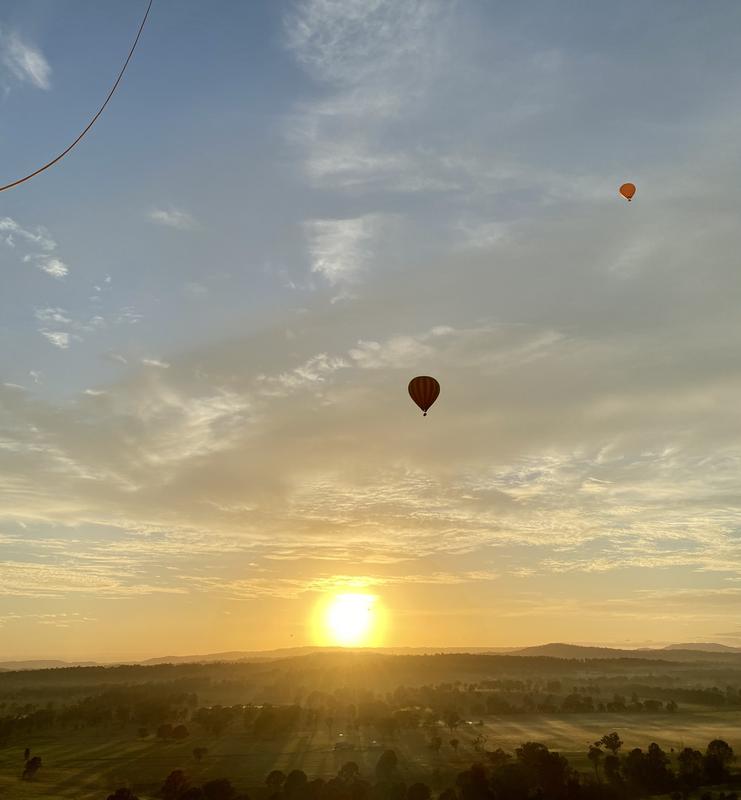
pixel 151 708
pixel 532 772
pixel 151 705
pixel 383 671
pixel 140 705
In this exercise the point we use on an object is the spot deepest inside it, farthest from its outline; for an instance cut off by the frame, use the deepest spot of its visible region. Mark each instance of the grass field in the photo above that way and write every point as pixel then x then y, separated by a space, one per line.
pixel 91 763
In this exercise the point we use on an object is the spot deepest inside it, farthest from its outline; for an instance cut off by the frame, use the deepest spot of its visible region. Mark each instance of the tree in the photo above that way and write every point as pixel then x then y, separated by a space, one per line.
pixel 349 772
pixel 275 780
pixel 174 786
pixel 194 793
pixel 498 758
pixel 634 769
pixel 418 791
pixel 435 744
pixel 452 719
pixel 718 756
pixel 611 741
pixel 595 755
pixel 122 794
pixel 295 785
pixel 691 769
pixel 473 784
pixel 33 765
pixel 386 766
pixel 658 775
pixel 547 771
pixel 164 731
pixel 180 732
pixel 611 769
pixel 219 789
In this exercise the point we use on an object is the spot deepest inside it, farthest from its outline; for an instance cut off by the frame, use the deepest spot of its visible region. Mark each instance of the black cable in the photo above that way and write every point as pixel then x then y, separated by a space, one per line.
pixel 92 121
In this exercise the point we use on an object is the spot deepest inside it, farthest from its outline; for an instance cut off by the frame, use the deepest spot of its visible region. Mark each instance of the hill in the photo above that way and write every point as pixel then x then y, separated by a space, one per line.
pixel 705 647
pixel 683 653
pixel 19 666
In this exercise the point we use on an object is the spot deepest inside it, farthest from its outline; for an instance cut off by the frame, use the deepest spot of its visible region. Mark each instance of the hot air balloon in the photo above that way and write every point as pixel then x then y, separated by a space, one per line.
pixel 424 391
pixel 627 190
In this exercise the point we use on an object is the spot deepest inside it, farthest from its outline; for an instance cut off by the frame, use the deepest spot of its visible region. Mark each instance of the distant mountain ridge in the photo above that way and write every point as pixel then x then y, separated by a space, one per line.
pixel 698 651
pixel 682 652
pixel 706 647
pixel 8 666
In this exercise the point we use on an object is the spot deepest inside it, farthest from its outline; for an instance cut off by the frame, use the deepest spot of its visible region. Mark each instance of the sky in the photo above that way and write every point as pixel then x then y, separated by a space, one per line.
pixel 211 309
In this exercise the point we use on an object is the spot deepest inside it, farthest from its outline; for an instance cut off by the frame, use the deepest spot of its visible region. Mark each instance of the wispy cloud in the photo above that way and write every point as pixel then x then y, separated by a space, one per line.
pixel 117 358
pixel 345 42
pixel 28 579
pixel 341 248
pixel 312 373
pixel 23 61
pixel 155 362
pixel 38 236
pixel 173 218
pixel 66 329
pixel 29 241
pixel 271 585
pixel 60 339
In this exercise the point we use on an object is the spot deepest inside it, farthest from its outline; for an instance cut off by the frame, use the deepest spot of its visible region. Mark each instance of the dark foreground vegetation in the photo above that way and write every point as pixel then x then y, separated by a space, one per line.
pixel 533 772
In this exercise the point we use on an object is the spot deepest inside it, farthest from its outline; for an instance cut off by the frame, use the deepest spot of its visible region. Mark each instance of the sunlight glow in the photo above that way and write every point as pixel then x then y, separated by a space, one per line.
pixel 350 620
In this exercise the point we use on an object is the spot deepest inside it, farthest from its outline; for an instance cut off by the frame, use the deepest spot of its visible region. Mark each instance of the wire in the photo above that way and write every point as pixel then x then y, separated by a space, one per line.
pixel 93 120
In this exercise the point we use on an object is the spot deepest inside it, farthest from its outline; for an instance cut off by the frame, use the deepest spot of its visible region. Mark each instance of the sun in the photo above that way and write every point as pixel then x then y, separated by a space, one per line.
pixel 349 620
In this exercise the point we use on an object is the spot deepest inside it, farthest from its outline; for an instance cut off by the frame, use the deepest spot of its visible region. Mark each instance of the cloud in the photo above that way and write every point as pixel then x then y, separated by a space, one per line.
pixel 310 374
pixel 127 316
pixel 345 42
pixel 173 218
pixel 38 236
pixel 271 585
pixel 341 248
pixel 36 580
pixel 50 265
pixel 52 315
pixel 24 61
pixel 67 329
pixel 155 362
pixel 60 339
pixel 32 240
pixel 195 289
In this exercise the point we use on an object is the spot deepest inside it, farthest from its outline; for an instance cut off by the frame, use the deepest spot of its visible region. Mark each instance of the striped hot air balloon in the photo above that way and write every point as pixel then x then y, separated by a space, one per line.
pixel 424 391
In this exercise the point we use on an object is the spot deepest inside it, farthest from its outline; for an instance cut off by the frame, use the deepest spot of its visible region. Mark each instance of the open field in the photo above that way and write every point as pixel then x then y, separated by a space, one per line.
pixel 89 763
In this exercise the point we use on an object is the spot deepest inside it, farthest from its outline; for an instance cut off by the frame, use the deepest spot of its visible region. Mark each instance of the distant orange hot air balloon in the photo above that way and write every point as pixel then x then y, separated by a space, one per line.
pixel 627 190
pixel 424 391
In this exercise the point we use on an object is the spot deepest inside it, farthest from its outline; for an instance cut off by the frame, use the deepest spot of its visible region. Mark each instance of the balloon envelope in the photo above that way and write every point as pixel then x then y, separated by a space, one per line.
pixel 627 190
pixel 424 391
